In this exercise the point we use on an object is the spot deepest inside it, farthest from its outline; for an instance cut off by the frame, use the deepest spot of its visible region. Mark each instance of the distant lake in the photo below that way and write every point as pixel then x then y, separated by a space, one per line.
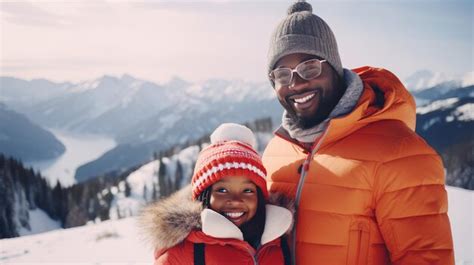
pixel 80 149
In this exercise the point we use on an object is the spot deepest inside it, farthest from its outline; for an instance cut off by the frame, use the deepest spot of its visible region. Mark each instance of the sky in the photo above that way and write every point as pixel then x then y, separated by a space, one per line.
pixel 196 40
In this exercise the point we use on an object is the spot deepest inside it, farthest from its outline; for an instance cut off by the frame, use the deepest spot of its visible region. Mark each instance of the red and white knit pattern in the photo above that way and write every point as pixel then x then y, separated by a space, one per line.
pixel 228 158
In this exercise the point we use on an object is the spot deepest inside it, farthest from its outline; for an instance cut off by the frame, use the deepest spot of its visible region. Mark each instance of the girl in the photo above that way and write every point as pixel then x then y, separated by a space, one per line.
pixel 225 217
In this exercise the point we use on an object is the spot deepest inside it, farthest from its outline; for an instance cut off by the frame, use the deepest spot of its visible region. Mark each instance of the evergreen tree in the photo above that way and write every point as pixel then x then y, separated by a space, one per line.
pixel 57 201
pixel 154 193
pixel 145 193
pixel 162 172
pixel 178 177
pixel 128 190
pixel 7 225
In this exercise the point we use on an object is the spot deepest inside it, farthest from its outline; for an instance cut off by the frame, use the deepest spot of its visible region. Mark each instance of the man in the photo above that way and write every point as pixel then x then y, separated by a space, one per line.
pixel 368 189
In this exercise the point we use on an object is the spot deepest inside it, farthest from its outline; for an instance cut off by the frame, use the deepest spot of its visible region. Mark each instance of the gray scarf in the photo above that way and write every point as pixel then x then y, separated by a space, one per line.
pixel 345 105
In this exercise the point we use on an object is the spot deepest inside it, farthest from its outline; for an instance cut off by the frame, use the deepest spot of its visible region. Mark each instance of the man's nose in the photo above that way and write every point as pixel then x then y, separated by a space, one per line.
pixel 298 83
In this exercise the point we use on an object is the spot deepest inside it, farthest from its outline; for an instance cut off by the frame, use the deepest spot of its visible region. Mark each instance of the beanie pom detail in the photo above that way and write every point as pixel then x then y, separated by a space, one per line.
pixel 233 132
pixel 300 6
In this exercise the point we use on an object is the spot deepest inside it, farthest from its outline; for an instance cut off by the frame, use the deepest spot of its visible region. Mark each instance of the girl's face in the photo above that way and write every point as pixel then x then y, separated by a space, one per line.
pixel 235 197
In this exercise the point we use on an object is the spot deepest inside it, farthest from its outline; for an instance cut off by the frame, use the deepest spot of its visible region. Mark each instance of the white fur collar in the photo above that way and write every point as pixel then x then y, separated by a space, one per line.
pixel 278 221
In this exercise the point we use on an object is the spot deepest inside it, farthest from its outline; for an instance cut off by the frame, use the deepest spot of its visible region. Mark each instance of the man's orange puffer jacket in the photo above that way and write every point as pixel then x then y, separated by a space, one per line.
pixel 372 191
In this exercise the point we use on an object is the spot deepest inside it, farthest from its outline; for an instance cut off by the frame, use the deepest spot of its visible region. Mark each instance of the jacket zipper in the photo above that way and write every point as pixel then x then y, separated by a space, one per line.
pixel 360 235
pixel 359 242
pixel 255 256
pixel 299 189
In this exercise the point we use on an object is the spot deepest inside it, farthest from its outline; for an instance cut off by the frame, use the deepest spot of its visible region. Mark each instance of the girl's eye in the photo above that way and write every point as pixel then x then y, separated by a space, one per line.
pixel 221 190
pixel 248 191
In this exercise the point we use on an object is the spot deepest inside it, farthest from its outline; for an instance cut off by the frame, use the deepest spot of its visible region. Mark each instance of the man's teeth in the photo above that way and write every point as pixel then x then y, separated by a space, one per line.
pixel 303 99
pixel 235 215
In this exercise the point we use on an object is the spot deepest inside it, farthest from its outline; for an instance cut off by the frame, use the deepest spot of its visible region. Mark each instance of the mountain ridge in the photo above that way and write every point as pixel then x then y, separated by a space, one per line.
pixel 143 116
pixel 23 139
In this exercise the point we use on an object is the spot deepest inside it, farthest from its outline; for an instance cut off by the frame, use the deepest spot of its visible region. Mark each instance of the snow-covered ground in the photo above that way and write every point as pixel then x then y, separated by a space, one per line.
pixel 461 215
pixel 120 242
pixel 110 242
pixel 40 223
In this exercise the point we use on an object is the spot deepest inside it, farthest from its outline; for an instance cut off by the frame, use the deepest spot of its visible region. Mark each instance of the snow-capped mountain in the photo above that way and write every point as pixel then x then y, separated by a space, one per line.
pixel 427 86
pixel 145 117
pixel 440 118
pixel 424 79
pixel 114 105
pixel 107 105
pixel 444 90
pixel 21 94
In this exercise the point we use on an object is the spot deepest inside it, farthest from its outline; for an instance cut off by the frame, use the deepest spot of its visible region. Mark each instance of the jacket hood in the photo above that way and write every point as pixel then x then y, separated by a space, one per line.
pixel 384 98
pixel 168 222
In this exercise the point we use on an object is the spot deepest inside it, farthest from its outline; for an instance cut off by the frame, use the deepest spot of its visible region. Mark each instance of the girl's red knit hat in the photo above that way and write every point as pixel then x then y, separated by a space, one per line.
pixel 230 153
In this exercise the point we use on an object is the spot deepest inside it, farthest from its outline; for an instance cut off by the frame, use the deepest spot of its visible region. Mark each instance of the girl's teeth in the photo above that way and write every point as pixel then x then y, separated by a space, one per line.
pixel 304 99
pixel 235 215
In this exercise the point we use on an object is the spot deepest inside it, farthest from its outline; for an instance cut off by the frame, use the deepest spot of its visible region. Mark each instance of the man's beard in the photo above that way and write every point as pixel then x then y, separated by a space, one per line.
pixel 326 104
pixel 304 122
pixel 328 99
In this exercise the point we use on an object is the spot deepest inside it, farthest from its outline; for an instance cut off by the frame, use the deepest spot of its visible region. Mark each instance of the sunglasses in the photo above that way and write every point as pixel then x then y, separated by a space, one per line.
pixel 308 70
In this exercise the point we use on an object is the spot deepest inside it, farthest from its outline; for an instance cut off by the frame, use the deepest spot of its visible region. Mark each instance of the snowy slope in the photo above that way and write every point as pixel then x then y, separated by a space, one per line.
pixel 119 241
pixel 40 222
pixel 143 181
pixel 461 214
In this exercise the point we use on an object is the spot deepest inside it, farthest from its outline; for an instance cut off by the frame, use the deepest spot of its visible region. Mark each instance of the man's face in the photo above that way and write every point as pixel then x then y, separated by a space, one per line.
pixel 309 101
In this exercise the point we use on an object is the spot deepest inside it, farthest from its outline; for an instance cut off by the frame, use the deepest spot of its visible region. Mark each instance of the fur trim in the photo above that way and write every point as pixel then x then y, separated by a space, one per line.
pixel 168 222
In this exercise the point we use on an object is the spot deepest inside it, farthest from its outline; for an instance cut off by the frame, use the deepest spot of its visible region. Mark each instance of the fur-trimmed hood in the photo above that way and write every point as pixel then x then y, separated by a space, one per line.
pixel 168 222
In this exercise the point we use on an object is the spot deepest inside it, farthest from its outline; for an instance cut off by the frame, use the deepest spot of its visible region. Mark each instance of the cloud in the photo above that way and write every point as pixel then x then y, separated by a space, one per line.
pixel 42 13
pixel 28 13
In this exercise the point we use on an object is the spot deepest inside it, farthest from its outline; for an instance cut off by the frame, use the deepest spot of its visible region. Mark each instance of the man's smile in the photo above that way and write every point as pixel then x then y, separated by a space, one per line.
pixel 303 101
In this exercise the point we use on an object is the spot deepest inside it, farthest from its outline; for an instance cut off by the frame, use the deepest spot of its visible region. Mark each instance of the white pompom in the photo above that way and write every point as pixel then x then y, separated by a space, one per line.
pixel 233 131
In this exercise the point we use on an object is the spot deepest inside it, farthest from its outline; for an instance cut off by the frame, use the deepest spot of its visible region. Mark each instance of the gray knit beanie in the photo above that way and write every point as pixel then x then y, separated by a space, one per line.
pixel 303 32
